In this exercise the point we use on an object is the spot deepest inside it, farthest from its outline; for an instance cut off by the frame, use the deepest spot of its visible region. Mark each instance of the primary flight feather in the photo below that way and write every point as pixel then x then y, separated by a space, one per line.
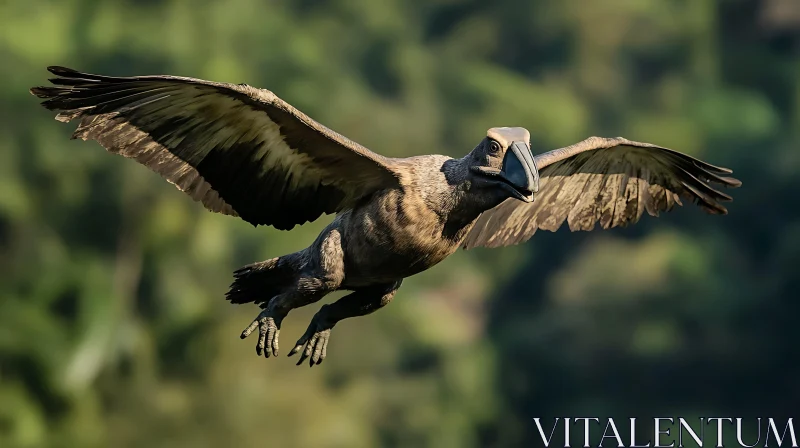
pixel 244 152
pixel 239 150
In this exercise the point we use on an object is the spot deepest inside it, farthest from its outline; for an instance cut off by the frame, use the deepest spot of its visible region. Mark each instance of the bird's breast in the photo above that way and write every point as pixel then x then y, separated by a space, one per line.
pixel 397 235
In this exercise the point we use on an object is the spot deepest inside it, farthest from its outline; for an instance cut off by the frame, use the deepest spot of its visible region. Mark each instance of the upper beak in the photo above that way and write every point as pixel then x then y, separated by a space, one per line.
pixel 519 169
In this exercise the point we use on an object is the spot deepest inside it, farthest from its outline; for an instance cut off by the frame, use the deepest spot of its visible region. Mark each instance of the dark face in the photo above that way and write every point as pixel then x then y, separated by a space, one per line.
pixel 509 168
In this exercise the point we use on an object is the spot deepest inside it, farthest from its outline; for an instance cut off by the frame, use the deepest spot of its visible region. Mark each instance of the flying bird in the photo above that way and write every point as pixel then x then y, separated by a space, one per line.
pixel 242 151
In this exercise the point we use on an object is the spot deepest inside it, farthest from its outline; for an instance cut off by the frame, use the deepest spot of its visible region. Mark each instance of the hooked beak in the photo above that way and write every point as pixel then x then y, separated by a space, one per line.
pixel 519 173
pixel 519 168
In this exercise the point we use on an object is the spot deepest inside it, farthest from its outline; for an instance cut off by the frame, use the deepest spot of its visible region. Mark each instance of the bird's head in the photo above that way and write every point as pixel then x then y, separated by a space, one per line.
pixel 504 163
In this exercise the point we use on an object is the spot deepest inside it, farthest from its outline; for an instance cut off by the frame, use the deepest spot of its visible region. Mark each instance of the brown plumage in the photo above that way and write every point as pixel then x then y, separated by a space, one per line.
pixel 268 162
pixel 244 152
pixel 610 181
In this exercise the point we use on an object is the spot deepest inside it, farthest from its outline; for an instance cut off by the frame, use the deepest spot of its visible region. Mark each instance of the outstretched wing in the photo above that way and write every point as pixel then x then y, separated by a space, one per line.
pixel 239 150
pixel 607 180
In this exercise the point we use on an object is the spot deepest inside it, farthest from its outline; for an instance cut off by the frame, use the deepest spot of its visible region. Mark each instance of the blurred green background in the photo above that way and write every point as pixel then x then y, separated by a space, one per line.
pixel 113 327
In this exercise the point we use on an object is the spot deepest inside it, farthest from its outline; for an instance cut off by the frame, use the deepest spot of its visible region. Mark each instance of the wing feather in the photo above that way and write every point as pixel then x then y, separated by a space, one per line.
pixel 239 150
pixel 605 181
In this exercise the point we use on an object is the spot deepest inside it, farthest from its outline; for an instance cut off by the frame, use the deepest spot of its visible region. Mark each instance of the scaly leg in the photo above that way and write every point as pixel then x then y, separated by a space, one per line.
pixel 268 323
pixel 321 269
pixel 358 303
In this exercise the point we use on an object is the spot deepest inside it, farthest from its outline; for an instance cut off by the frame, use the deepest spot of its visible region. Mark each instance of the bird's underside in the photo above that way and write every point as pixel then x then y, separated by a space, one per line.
pixel 244 152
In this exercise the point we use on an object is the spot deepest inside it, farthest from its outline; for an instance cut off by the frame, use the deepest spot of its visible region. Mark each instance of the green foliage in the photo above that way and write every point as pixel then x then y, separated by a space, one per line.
pixel 113 331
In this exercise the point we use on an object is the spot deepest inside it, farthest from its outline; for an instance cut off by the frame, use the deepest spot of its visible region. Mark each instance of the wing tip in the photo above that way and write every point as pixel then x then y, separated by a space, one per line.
pixel 713 168
pixel 715 209
pixel 731 182
pixel 47 92
pixel 60 70
pixel 40 91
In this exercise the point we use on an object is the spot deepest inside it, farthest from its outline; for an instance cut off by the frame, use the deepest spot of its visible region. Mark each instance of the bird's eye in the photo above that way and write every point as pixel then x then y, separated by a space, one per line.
pixel 494 147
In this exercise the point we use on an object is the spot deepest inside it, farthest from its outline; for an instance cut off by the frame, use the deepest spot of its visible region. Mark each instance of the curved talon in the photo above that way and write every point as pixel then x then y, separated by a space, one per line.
pixel 268 330
pixel 303 339
pixel 298 346
pixel 305 353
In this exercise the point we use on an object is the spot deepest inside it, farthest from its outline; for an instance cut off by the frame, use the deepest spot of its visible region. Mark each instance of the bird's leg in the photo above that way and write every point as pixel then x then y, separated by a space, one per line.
pixel 320 271
pixel 358 303
pixel 268 323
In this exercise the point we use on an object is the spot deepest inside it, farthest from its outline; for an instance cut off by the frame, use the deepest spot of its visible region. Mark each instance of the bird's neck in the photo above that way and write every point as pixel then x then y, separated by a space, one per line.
pixel 467 202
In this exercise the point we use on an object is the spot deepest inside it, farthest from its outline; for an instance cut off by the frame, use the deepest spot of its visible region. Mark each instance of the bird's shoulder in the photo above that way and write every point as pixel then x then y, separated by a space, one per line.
pixel 425 168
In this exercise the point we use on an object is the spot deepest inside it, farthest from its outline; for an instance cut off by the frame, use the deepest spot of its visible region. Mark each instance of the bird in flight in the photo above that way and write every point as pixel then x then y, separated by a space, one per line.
pixel 242 151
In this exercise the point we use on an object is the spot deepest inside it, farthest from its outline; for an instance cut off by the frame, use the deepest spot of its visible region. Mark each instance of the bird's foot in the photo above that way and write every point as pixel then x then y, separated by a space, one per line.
pixel 269 324
pixel 315 340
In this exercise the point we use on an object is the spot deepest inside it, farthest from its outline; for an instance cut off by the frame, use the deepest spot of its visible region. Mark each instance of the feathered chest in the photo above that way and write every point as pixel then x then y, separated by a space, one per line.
pixel 399 234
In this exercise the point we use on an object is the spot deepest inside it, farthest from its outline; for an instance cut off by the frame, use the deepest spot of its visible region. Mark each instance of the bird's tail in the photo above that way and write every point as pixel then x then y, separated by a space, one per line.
pixel 259 282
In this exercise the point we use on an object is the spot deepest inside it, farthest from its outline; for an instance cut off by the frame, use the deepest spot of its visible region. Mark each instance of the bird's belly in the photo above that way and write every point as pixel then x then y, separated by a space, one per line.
pixel 383 262
pixel 385 267
pixel 384 249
